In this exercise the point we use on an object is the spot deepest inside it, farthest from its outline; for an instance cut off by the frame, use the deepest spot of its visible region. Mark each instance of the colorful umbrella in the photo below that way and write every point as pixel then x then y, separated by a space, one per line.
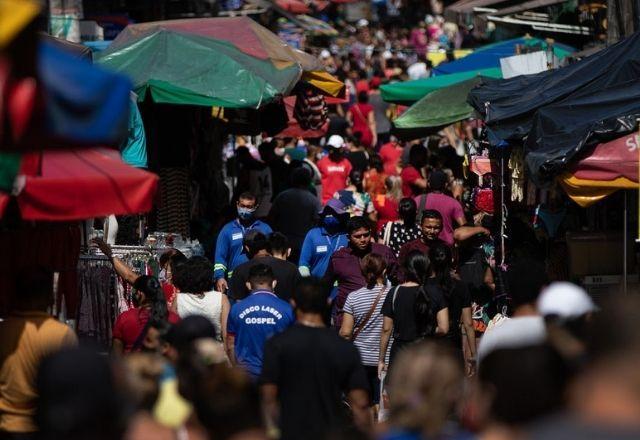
pixel 409 92
pixel 65 185
pixel 225 62
pixel 436 110
pixel 301 6
pixel 610 167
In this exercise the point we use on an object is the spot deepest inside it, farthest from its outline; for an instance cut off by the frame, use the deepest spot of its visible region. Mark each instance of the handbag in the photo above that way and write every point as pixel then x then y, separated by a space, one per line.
pixel 369 314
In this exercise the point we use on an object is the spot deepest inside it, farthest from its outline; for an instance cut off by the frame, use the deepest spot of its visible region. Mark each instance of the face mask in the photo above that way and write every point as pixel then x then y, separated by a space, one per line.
pixel 245 213
pixel 331 222
pixel 301 144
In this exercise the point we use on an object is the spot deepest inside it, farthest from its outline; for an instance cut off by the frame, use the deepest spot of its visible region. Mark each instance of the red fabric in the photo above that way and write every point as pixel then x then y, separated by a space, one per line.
pixel 484 200
pixel 170 293
pixel 409 175
pixel 387 209
pixel 131 323
pixel 293 129
pixel 611 160
pixel 374 182
pixel 390 154
pixel 360 116
pixel 334 176
pixel 81 184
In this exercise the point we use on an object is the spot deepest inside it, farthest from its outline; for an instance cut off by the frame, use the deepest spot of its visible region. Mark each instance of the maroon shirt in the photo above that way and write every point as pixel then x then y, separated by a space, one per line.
pixel 344 268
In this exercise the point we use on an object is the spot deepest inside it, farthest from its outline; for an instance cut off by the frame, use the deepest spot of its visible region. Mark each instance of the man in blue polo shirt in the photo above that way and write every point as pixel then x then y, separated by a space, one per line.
pixel 321 242
pixel 229 251
pixel 255 319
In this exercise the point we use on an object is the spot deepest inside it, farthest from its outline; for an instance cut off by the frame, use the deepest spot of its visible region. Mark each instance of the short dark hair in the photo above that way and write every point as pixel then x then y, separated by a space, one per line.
pixel 247 196
pixel 255 241
pixel 194 276
pixel 375 162
pixel 363 96
pixel 408 210
pixel 311 295
pixel 526 277
pixel 431 214
pixel 278 242
pixel 300 177
pixel 357 222
pixel 172 257
pixel 260 274
pixel 188 330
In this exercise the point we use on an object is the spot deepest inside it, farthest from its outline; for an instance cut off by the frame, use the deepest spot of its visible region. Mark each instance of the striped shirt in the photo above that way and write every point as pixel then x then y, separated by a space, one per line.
pixel 358 305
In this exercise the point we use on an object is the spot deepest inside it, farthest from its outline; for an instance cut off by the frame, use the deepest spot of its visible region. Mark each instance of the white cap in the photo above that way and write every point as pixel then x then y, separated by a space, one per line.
pixel 513 333
pixel 335 141
pixel 363 22
pixel 325 54
pixel 565 300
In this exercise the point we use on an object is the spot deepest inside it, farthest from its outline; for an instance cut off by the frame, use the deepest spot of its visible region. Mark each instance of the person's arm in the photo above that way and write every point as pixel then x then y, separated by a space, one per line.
pixel 463 233
pixel 362 413
pixel 442 318
pixel 387 326
pixel 304 264
pixel 117 347
pixel 224 316
pixel 373 128
pixel 221 261
pixel 470 333
pixel 271 409
pixel 349 118
pixel 346 330
pixel 489 281
pixel 119 266
pixel 231 350
pixel 420 183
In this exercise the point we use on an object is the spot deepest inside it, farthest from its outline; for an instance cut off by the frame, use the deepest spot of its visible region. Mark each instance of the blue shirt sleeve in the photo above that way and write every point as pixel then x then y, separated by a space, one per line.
pixel 221 260
pixel 304 264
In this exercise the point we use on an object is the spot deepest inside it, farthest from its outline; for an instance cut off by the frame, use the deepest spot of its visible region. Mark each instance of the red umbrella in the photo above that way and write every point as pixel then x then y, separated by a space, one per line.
pixel 301 7
pixel 79 184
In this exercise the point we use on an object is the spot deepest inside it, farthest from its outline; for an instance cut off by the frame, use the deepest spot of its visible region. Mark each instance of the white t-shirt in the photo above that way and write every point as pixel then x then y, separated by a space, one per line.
pixel 418 71
pixel 208 305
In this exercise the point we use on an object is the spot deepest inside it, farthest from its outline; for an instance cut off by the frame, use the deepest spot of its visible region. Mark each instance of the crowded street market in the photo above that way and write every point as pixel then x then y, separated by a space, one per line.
pixel 319 219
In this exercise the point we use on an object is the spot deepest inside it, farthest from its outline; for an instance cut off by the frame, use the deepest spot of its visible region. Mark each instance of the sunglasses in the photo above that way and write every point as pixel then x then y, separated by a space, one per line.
pixel 363 235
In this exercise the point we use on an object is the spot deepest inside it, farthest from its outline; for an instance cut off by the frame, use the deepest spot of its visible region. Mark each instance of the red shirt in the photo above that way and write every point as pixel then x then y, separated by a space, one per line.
pixel 131 323
pixel 390 154
pixel 334 176
pixel 387 209
pixel 409 175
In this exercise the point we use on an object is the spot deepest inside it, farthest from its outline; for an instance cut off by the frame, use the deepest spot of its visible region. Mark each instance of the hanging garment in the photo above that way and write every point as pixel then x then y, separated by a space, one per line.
pixel 173 210
pixel 516 165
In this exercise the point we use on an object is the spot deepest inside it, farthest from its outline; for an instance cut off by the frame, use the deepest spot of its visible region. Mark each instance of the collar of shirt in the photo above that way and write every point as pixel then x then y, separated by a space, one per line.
pixel 246 228
pixel 254 292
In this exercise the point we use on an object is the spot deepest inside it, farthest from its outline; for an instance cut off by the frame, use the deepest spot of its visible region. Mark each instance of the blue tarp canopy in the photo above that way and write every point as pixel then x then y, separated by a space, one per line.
pixel 489 56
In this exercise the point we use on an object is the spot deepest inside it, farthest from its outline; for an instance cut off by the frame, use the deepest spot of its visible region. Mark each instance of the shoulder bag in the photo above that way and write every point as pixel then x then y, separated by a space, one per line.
pixel 369 314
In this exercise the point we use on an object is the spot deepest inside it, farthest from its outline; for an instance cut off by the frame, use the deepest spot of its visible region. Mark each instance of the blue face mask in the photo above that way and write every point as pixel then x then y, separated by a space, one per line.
pixel 245 213
pixel 330 221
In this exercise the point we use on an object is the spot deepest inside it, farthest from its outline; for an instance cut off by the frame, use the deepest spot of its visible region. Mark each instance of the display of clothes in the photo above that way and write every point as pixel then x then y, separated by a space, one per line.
pixel 516 165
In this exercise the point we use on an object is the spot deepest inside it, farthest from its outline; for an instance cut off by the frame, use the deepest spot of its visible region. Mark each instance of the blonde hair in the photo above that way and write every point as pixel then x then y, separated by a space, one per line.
pixel 425 387
pixel 393 184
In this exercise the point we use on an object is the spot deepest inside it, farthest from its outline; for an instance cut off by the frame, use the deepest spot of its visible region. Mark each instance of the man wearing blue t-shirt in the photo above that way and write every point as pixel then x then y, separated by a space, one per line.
pixel 321 242
pixel 229 251
pixel 255 319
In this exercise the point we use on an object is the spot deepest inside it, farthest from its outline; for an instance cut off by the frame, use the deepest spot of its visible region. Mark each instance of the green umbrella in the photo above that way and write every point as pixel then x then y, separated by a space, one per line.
pixel 409 92
pixel 225 62
pixel 436 110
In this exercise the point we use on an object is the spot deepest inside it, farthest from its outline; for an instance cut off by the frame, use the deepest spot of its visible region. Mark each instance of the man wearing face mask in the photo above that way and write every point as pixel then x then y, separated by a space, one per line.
pixel 321 242
pixel 229 251
pixel 344 266
pixel 334 168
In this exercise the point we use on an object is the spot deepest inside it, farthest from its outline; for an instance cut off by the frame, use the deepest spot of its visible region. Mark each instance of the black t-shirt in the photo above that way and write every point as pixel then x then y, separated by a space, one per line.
pixel 458 299
pixel 402 310
pixel 286 274
pixel 312 367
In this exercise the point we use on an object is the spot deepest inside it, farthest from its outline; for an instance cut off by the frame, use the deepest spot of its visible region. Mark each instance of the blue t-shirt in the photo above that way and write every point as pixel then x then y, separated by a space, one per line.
pixel 252 321
pixel 229 251
pixel 317 249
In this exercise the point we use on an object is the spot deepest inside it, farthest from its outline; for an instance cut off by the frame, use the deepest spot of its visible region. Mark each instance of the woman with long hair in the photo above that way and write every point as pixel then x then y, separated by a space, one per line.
pixel 399 232
pixel 412 310
pixel 386 204
pixel 362 321
pixel 130 328
pixel 356 201
pixel 458 299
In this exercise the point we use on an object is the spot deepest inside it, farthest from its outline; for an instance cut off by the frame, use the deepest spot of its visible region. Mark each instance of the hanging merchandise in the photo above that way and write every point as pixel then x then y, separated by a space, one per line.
pixel 516 165
pixel 311 109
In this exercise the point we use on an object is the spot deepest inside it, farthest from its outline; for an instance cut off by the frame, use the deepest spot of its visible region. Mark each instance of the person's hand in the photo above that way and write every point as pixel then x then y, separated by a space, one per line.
pixel 470 367
pixel 485 231
pixel 381 368
pixel 221 285
pixel 103 246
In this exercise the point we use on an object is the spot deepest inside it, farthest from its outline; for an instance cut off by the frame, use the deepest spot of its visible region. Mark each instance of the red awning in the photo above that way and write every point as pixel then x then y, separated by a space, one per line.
pixel 611 160
pixel 80 184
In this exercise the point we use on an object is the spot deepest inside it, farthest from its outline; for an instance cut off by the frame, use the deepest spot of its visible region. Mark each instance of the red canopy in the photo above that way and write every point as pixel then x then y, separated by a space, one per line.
pixel 611 160
pixel 80 184
pixel 301 7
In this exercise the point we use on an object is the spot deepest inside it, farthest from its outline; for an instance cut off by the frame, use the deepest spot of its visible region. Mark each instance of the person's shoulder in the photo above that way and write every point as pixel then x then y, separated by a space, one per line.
pixel 262 225
pixel 229 226
pixel 380 248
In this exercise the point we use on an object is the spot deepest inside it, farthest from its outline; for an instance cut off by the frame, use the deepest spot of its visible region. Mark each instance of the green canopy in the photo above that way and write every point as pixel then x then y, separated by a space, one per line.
pixel 232 63
pixel 408 92
pixel 436 110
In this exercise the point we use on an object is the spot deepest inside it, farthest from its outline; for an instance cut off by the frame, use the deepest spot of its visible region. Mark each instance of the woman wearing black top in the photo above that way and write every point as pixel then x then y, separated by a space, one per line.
pixel 412 310
pixel 458 299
